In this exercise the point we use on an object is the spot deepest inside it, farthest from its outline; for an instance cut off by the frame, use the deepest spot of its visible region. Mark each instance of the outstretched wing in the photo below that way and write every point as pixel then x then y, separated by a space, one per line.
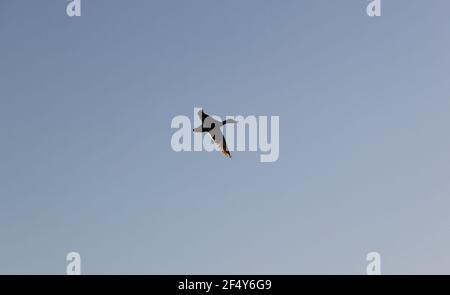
pixel 202 115
pixel 207 120
pixel 219 141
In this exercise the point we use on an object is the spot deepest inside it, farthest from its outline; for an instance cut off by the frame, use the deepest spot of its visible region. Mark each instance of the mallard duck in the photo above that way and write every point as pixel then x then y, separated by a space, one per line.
pixel 212 127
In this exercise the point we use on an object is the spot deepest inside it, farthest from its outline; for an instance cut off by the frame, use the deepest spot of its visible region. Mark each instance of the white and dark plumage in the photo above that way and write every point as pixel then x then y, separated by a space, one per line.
pixel 212 127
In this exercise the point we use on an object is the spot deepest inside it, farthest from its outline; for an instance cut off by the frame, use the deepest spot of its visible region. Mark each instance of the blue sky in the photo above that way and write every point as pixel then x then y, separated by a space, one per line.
pixel 86 165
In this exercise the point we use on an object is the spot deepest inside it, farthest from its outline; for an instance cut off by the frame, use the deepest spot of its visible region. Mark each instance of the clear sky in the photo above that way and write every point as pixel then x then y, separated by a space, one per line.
pixel 86 164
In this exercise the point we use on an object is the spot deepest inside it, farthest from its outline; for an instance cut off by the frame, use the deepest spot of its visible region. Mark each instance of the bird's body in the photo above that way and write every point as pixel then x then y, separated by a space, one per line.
pixel 212 127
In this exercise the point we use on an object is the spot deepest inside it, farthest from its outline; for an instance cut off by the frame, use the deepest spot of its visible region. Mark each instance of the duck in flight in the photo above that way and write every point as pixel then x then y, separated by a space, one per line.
pixel 212 127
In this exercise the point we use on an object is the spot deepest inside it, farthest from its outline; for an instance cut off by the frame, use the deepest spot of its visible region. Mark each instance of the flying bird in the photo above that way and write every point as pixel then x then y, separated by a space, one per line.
pixel 212 127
